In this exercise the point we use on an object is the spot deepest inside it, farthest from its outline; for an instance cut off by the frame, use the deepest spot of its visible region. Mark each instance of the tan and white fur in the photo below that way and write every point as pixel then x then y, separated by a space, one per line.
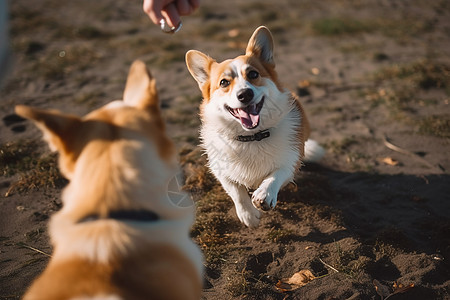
pixel 117 158
pixel 243 97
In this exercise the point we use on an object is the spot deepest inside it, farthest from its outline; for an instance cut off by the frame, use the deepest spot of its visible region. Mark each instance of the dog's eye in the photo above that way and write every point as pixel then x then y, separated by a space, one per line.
pixel 253 75
pixel 224 83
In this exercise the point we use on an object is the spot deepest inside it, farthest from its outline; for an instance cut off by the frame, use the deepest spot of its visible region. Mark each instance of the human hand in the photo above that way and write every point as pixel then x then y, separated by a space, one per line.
pixel 169 10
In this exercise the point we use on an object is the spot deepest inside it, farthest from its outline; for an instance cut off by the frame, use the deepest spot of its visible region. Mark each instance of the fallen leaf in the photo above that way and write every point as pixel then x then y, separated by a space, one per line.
pixel 381 289
pixel 233 33
pixel 390 161
pixel 400 288
pixel 296 281
pixel 315 71
pixel 301 278
pixel 283 287
pixel 304 83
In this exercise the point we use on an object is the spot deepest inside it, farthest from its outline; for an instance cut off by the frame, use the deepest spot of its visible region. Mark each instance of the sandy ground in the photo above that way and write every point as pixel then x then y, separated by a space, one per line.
pixel 374 77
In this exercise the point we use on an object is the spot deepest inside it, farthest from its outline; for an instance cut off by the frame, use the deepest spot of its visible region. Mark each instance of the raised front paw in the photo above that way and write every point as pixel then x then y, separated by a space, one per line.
pixel 249 215
pixel 264 199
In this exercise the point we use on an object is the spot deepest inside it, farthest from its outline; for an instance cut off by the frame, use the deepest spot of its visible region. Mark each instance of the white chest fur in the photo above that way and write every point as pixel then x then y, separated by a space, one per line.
pixel 248 163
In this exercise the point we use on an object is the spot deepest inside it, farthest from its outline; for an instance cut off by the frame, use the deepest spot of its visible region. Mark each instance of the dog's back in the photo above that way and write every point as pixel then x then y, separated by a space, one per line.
pixel 118 236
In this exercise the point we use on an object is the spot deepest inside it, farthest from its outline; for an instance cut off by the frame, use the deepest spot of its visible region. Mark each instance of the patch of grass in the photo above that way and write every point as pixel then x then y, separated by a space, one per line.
pixel 424 74
pixel 169 52
pixel 199 180
pixel 336 26
pixel 90 99
pixel 281 235
pixel 91 32
pixel 435 125
pixel 238 285
pixel 34 169
pixel 341 146
pixel 17 157
pixel 348 262
pixel 57 64
pixel 402 29
pixel 25 19
pixel 213 225
pixel 249 280
pixel 43 174
pixel 212 232
pixel 397 100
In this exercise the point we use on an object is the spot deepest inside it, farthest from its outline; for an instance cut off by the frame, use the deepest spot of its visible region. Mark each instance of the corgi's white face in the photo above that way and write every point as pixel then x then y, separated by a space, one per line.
pixel 243 93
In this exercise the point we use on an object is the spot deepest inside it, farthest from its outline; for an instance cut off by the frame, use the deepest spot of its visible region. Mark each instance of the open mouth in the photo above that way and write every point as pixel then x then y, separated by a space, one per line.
pixel 249 115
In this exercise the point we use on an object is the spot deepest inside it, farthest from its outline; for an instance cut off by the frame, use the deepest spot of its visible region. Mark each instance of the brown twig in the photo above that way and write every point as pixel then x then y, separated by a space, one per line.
pixel 34 249
pixel 395 148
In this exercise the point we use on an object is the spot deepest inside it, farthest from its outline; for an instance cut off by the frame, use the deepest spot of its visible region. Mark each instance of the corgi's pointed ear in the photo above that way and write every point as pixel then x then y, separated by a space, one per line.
pixel 140 89
pixel 199 65
pixel 59 129
pixel 261 45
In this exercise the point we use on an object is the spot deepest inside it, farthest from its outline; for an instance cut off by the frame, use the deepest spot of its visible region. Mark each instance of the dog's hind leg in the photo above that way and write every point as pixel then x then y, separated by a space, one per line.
pixel 246 212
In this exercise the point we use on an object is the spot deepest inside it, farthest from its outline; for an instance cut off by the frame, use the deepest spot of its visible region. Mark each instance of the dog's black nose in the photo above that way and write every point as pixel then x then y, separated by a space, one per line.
pixel 245 95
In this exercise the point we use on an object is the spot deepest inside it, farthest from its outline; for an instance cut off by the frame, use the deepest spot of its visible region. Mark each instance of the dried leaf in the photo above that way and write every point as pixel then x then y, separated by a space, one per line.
pixel 283 287
pixel 315 71
pixel 400 288
pixel 296 281
pixel 233 32
pixel 381 289
pixel 390 161
pixel 304 83
pixel 301 278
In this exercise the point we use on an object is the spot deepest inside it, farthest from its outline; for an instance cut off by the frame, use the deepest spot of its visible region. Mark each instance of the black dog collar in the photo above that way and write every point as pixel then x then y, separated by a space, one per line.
pixel 124 215
pixel 255 137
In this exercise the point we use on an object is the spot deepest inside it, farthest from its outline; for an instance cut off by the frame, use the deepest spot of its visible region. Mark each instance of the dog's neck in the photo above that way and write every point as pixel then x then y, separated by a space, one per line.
pixel 124 215
pixel 260 135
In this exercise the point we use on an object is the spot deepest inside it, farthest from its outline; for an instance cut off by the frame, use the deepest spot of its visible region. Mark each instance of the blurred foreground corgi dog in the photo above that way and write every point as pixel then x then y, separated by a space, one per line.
pixel 255 132
pixel 118 235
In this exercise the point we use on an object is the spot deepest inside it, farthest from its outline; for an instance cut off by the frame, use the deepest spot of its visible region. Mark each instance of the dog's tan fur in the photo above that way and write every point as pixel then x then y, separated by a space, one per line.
pixel 117 158
pixel 243 99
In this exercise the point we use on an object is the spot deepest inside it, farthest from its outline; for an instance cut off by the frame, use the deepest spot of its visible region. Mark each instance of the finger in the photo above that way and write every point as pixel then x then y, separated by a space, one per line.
pixel 153 10
pixel 183 7
pixel 194 4
pixel 171 15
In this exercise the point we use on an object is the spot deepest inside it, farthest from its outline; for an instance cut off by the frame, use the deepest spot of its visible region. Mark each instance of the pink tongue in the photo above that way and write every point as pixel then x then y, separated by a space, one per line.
pixel 248 120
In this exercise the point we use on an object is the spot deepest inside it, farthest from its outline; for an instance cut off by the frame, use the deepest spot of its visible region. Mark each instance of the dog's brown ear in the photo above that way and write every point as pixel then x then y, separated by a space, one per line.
pixel 199 65
pixel 261 45
pixel 140 90
pixel 59 129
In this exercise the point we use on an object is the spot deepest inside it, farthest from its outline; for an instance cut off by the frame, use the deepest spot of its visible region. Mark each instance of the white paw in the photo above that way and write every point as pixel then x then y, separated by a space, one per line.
pixel 264 198
pixel 249 215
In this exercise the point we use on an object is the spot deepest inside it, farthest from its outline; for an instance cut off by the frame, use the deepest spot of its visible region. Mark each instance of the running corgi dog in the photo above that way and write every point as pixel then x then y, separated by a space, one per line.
pixel 118 235
pixel 254 131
